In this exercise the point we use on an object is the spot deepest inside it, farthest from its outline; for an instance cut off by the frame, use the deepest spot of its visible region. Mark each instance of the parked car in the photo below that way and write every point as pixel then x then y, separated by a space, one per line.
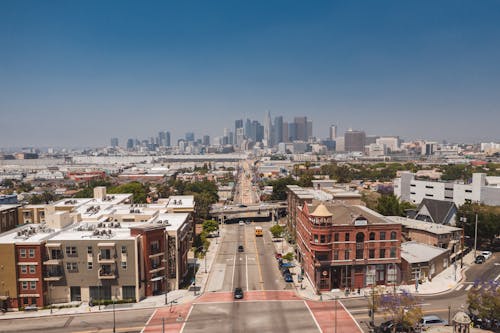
pixel 388 326
pixel 288 277
pixel 432 320
pixel 240 248
pixel 238 293
pixel 241 223
pixel 486 254
pixel 480 259
pixel 287 264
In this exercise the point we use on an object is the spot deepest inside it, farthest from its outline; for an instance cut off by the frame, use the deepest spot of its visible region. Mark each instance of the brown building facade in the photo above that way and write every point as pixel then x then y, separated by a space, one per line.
pixel 8 217
pixel 345 246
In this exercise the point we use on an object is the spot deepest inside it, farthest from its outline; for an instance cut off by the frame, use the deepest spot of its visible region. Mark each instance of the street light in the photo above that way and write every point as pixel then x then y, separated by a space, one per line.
pixel 114 317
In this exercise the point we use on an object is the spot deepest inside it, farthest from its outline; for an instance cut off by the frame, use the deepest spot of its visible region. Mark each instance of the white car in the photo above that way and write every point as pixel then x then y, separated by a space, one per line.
pixel 486 254
pixel 241 223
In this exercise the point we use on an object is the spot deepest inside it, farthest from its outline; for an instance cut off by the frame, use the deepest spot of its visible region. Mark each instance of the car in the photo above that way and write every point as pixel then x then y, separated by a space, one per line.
pixel 238 293
pixel 240 248
pixel 480 259
pixel 242 206
pixel 241 223
pixel 387 327
pixel 432 320
pixel 288 277
pixel 486 254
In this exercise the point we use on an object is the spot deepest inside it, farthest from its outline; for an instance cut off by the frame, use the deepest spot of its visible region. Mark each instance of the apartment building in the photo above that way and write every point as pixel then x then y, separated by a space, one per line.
pixel 482 189
pixel 8 217
pixel 347 246
pixel 32 214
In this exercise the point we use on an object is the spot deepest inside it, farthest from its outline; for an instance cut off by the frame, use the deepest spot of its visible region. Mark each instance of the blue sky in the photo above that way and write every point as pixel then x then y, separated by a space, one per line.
pixel 75 73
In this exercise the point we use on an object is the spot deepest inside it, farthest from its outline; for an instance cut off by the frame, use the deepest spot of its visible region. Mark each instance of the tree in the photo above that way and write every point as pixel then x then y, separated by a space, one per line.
pixel 487 226
pixel 403 308
pixel 289 256
pixel 210 226
pixel 138 190
pixel 484 300
pixel 279 187
pixel 389 205
pixel 277 230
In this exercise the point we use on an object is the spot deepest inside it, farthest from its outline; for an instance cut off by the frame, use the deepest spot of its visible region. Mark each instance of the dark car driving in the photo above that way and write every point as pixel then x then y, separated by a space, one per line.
pixel 480 259
pixel 238 293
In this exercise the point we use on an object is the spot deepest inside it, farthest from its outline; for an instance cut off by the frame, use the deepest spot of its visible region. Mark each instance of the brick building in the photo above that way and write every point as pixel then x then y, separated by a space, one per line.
pixel 347 246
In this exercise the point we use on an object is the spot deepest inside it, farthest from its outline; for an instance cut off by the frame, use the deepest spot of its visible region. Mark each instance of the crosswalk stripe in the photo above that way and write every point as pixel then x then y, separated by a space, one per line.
pixel 459 287
pixel 469 287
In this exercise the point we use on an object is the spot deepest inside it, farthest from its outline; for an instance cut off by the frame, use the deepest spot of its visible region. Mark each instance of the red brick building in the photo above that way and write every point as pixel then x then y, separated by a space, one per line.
pixel 30 286
pixel 347 246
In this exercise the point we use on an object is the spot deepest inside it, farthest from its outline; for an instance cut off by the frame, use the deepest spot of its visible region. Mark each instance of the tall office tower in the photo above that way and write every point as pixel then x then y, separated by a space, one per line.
pixel 167 139
pixel 239 136
pixel 237 124
pixel 268 129
pixel 231 138
pixel 285 137
pixel 278 130
pixel 206 140
pixel 161 137
pixel 300 128
pixel 189 136
pixel 114 142
pixel 333 132
pixel 292 131
pixel 259 132
pixel 309 130
pixel 130 144
pixel 248 128
pixel 354 141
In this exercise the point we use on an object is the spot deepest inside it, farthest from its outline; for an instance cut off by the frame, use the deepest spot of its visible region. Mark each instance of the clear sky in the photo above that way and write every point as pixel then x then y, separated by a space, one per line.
pixel 75 73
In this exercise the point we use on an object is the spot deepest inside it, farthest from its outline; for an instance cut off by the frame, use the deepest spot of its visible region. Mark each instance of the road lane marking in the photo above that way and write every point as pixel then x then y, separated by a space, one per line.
pixel 498 277
pixel 234 270
pixel 186 318
pixel 258 264
pixel 314 318
pixel 246 268
pixel 469 287
pixel 147 323
pixel 459 287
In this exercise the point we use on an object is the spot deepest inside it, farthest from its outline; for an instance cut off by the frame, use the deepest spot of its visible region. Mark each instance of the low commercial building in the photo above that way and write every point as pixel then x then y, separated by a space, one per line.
pixel 347 246
pixel 422 261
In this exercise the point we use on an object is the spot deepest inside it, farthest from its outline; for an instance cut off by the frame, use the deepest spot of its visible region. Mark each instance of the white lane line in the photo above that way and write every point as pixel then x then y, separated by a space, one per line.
pixel 234 270
pixel 151 317
pixel 186 318
pixel 469 287
pixel 459 287
pixel 498 277
pixel 350 315
pixel 314 318
pixel 246 268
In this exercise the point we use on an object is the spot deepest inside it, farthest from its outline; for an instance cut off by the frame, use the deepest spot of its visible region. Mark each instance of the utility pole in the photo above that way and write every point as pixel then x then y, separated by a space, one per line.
pixel 475 238
pixel 336 305
pixel 114 317
pixel 165 260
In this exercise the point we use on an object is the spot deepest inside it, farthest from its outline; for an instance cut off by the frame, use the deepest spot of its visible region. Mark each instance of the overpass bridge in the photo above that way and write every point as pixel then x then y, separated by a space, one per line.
pixel 228 213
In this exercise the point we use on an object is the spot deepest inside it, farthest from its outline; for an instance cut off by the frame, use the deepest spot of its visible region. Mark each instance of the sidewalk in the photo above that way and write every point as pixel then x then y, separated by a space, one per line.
pixel 179 296
pixel 443 282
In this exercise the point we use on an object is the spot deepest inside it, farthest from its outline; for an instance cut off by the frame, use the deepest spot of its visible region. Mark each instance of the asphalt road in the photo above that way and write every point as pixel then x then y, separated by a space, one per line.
pixel 436 304
pixel 126 321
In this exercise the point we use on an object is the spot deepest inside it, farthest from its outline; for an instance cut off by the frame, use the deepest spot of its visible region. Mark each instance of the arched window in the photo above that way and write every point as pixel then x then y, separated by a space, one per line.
pixel 372 236
pixel 360 245
pixel 393 235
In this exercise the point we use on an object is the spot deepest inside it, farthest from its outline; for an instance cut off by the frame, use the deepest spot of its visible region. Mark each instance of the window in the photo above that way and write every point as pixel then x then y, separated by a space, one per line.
pixel 445 262
pixel 346 236
pixel 71 251
pixel 32 269
pixel 22 253
pixel 393 252
pixel 124 249
pixel 89 249
pixel 393 235
pixel 382 235
pixel 72 266
pixel 24 269
pixel 336 255
pixel 336 237
pixel 32 285
pixel 468 191
pixel 322 239
pixel 382 253
pixel 371 253
pixel 124 264
pixel 32 253
pixel 25 299
pixel 128 292
pixel 346 254
pixel 24 285
pixel 315 238
pixel 372 236
pixel 89 265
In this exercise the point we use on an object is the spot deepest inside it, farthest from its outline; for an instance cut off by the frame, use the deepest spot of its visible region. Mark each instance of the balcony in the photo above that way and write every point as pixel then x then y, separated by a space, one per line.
pixel 105 259
pixel 156 268
pixel 53 261
pixel 106 274
pixel 53 275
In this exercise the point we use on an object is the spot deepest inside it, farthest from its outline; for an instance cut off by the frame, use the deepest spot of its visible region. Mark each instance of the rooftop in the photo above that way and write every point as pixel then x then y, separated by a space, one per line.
pixel 28 233
pixel 7 207
pixel 343 214
pixel 414 252
pixel 434 228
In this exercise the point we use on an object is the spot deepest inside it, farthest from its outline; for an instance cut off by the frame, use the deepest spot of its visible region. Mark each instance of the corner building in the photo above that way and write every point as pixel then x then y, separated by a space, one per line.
pixel 347 246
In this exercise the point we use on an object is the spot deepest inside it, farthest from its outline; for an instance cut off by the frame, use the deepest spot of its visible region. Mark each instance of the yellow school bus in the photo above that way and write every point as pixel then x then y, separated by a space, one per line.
pixel 258 231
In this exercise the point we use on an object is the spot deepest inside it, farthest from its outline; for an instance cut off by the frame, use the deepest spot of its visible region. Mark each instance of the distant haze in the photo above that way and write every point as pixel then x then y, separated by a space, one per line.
pixel 76 73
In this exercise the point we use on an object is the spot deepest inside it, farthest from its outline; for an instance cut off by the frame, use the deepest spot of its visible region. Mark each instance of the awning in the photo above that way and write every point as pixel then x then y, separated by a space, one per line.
pixel 105 244
pixel 4 297
pixel 158 278
pixel 53 245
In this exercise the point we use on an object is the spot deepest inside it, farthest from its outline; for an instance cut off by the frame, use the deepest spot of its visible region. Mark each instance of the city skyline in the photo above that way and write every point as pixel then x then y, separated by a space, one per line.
pixel 76 74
